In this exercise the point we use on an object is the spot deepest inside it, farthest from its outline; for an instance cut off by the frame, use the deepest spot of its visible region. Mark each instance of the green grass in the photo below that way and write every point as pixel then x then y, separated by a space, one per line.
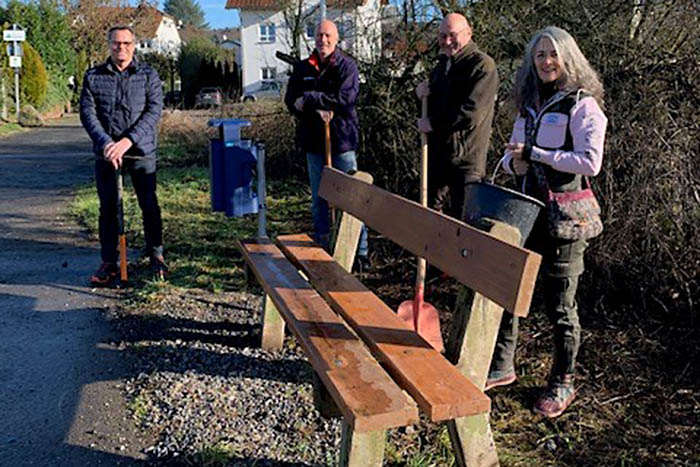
pixel 7 129
pixel 200 245
pixel 219 454
pixel 139 407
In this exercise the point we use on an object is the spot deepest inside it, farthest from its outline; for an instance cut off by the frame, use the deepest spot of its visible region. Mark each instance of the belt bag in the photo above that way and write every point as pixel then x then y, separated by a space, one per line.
pixel 571 215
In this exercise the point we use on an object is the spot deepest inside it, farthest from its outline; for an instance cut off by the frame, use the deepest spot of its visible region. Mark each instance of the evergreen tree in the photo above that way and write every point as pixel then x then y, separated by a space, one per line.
pixel 188 11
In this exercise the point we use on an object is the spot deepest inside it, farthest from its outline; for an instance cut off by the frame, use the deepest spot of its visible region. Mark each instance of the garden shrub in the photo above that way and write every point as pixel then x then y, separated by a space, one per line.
pixel 34 80
pixel 646 263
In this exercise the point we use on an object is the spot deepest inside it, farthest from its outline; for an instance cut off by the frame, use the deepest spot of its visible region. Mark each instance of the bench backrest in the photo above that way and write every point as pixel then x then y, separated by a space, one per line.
pixel 500 271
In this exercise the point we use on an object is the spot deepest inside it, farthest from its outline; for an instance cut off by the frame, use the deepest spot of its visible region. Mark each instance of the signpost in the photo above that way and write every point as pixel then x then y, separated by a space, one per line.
pixel 15 36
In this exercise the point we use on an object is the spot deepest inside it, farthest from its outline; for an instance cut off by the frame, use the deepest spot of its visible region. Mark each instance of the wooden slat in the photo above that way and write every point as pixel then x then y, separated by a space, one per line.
pixel 504 273
pixel 366 395
pixel 441 391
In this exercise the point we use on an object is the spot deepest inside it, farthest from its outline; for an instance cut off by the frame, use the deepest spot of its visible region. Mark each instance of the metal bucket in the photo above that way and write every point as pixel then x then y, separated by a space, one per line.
pixel 484 199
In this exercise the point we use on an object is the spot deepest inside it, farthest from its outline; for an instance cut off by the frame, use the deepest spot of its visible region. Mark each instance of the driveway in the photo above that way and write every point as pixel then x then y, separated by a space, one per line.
pixel 60 396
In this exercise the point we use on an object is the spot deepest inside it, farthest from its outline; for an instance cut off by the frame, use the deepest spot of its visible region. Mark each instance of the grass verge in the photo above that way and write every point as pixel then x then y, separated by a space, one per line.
pixel 200 245
pixel 10 128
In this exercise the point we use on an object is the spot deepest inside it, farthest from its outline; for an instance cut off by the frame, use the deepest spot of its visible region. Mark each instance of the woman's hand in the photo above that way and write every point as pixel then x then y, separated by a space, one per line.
pixel 518 165
pixel 423 90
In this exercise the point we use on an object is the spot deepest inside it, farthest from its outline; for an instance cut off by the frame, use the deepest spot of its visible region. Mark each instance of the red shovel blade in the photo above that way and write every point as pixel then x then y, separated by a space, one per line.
pixel 428 321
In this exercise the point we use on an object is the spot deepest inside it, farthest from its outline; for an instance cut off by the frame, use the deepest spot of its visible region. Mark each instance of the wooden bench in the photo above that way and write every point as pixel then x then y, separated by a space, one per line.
pixel 371 367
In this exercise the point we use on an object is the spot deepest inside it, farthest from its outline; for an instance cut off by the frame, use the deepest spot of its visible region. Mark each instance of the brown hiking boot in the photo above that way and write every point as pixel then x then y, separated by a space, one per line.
pixel 105 275
pixel 559 395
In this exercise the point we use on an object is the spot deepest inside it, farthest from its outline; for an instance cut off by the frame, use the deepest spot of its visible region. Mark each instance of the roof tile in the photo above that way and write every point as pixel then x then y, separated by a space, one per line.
pixel 275 4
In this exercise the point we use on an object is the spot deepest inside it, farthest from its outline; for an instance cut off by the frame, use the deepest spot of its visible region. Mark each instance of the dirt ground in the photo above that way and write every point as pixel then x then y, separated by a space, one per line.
pixel 60 372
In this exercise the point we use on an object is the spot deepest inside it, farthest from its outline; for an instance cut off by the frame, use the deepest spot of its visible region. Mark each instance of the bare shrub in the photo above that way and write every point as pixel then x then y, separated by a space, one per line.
pixel 272 123
pixel 183 140
pixel 647 262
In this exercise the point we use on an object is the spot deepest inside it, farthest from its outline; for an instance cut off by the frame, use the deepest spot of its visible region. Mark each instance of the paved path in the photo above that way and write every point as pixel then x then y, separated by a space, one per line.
pixel 60 402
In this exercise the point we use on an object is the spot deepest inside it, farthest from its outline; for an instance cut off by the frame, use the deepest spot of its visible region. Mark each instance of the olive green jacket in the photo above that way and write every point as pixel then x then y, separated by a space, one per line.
pixel 460 109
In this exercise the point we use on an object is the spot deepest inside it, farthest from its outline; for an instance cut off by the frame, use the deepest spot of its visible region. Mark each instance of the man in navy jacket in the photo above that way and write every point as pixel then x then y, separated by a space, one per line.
pixel 325 86
pixel 120 106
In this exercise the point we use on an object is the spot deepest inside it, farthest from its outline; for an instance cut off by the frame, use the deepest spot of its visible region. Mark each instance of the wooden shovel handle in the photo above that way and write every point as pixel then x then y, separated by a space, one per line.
pixel 421 268
pixel 327 126
pixel 122 258
pixel 327 116
pixel 120 224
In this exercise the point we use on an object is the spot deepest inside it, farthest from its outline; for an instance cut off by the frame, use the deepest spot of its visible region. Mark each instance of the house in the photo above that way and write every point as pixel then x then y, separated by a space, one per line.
pixel 266 28
pixel 156 32
pixel 229 39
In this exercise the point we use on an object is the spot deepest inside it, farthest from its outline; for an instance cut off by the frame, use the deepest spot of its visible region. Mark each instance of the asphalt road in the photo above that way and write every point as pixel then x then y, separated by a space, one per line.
pixel 60 402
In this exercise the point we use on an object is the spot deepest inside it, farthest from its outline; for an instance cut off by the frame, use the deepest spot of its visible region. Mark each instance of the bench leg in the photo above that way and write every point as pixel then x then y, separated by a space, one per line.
pixel 273 326
pixel 361 449
pixel 470 348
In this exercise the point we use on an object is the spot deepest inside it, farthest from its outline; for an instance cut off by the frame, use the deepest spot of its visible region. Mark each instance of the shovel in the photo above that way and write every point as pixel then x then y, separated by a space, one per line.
pixel 120 226
pixel 421 315
pixel 327 116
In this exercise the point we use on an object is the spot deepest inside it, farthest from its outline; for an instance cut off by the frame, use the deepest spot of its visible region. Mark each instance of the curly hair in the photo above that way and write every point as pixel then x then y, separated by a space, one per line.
pixel 577 73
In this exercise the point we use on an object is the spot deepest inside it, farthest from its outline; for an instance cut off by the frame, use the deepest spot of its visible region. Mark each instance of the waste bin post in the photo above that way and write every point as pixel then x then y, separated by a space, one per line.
pixel 262 191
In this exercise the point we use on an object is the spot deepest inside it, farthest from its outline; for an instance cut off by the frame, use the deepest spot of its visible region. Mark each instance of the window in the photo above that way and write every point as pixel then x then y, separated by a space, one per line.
pixel 267 32
pixel 310 30
pixel 344 30
pixel 268 74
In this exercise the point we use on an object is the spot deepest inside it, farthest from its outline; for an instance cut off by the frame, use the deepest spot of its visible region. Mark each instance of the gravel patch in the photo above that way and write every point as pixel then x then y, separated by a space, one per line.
pixel 210 394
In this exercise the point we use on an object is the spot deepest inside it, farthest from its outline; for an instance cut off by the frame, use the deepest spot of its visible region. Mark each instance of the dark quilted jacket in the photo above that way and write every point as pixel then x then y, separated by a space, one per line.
pixel 141 102
pixel 335 88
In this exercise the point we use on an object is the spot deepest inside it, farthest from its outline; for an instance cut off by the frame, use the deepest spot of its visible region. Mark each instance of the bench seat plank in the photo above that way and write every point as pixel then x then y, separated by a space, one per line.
pixel 502 272
pixel 441 391
pixel 366 395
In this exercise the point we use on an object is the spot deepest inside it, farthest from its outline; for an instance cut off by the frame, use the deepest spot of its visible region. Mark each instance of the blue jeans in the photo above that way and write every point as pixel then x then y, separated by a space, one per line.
pixel 346 162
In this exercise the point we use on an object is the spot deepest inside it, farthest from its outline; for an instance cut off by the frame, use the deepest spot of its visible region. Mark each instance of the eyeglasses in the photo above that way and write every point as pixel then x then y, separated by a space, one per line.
pixel 116 44
pixel 452 35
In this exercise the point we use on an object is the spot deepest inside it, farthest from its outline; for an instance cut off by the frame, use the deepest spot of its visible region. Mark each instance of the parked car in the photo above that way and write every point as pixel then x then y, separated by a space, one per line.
pixel 267 90
pixel 209 97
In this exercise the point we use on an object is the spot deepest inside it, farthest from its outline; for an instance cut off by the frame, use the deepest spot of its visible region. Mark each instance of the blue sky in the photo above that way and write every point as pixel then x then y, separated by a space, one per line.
pixel 217 16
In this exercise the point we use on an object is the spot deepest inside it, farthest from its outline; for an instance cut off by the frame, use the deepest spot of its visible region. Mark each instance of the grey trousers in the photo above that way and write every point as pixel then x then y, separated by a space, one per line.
pixel 562 264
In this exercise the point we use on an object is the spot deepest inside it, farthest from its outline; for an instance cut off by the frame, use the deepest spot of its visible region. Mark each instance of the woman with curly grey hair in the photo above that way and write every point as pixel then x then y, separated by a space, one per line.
pixel 557 142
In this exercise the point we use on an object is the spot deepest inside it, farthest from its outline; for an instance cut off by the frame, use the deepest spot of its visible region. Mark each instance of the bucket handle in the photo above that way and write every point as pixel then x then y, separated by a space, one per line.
pixel 495 171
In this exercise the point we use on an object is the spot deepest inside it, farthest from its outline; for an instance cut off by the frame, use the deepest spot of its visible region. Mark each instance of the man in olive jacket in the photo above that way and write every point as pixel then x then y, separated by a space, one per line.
pixel 461 97
pixel 120 106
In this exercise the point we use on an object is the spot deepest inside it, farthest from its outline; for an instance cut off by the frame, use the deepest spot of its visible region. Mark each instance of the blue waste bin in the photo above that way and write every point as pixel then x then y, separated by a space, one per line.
pixel 231 163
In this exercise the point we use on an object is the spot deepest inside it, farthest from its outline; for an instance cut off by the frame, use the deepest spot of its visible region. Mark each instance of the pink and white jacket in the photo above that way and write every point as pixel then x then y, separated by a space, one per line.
pixel 570 142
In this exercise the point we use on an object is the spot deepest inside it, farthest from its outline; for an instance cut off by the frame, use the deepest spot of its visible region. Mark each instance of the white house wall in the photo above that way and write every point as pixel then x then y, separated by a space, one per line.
pixel 368 27
pixel 363 39
pixel 255 54
pixel 167 37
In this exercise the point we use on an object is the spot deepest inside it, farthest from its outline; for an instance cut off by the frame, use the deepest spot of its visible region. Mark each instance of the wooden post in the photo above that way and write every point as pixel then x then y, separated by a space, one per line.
pixel 361 449
pixel 349 233
pixel 273 326
pixel 470 347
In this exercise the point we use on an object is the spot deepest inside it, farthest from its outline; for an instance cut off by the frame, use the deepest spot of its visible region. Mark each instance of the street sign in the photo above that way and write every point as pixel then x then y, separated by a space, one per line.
pixel 15 62
pixel 14 48
pixel 9 35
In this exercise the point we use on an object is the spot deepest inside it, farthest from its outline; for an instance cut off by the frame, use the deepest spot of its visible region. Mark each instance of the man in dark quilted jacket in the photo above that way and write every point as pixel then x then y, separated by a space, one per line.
pixel 120 106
